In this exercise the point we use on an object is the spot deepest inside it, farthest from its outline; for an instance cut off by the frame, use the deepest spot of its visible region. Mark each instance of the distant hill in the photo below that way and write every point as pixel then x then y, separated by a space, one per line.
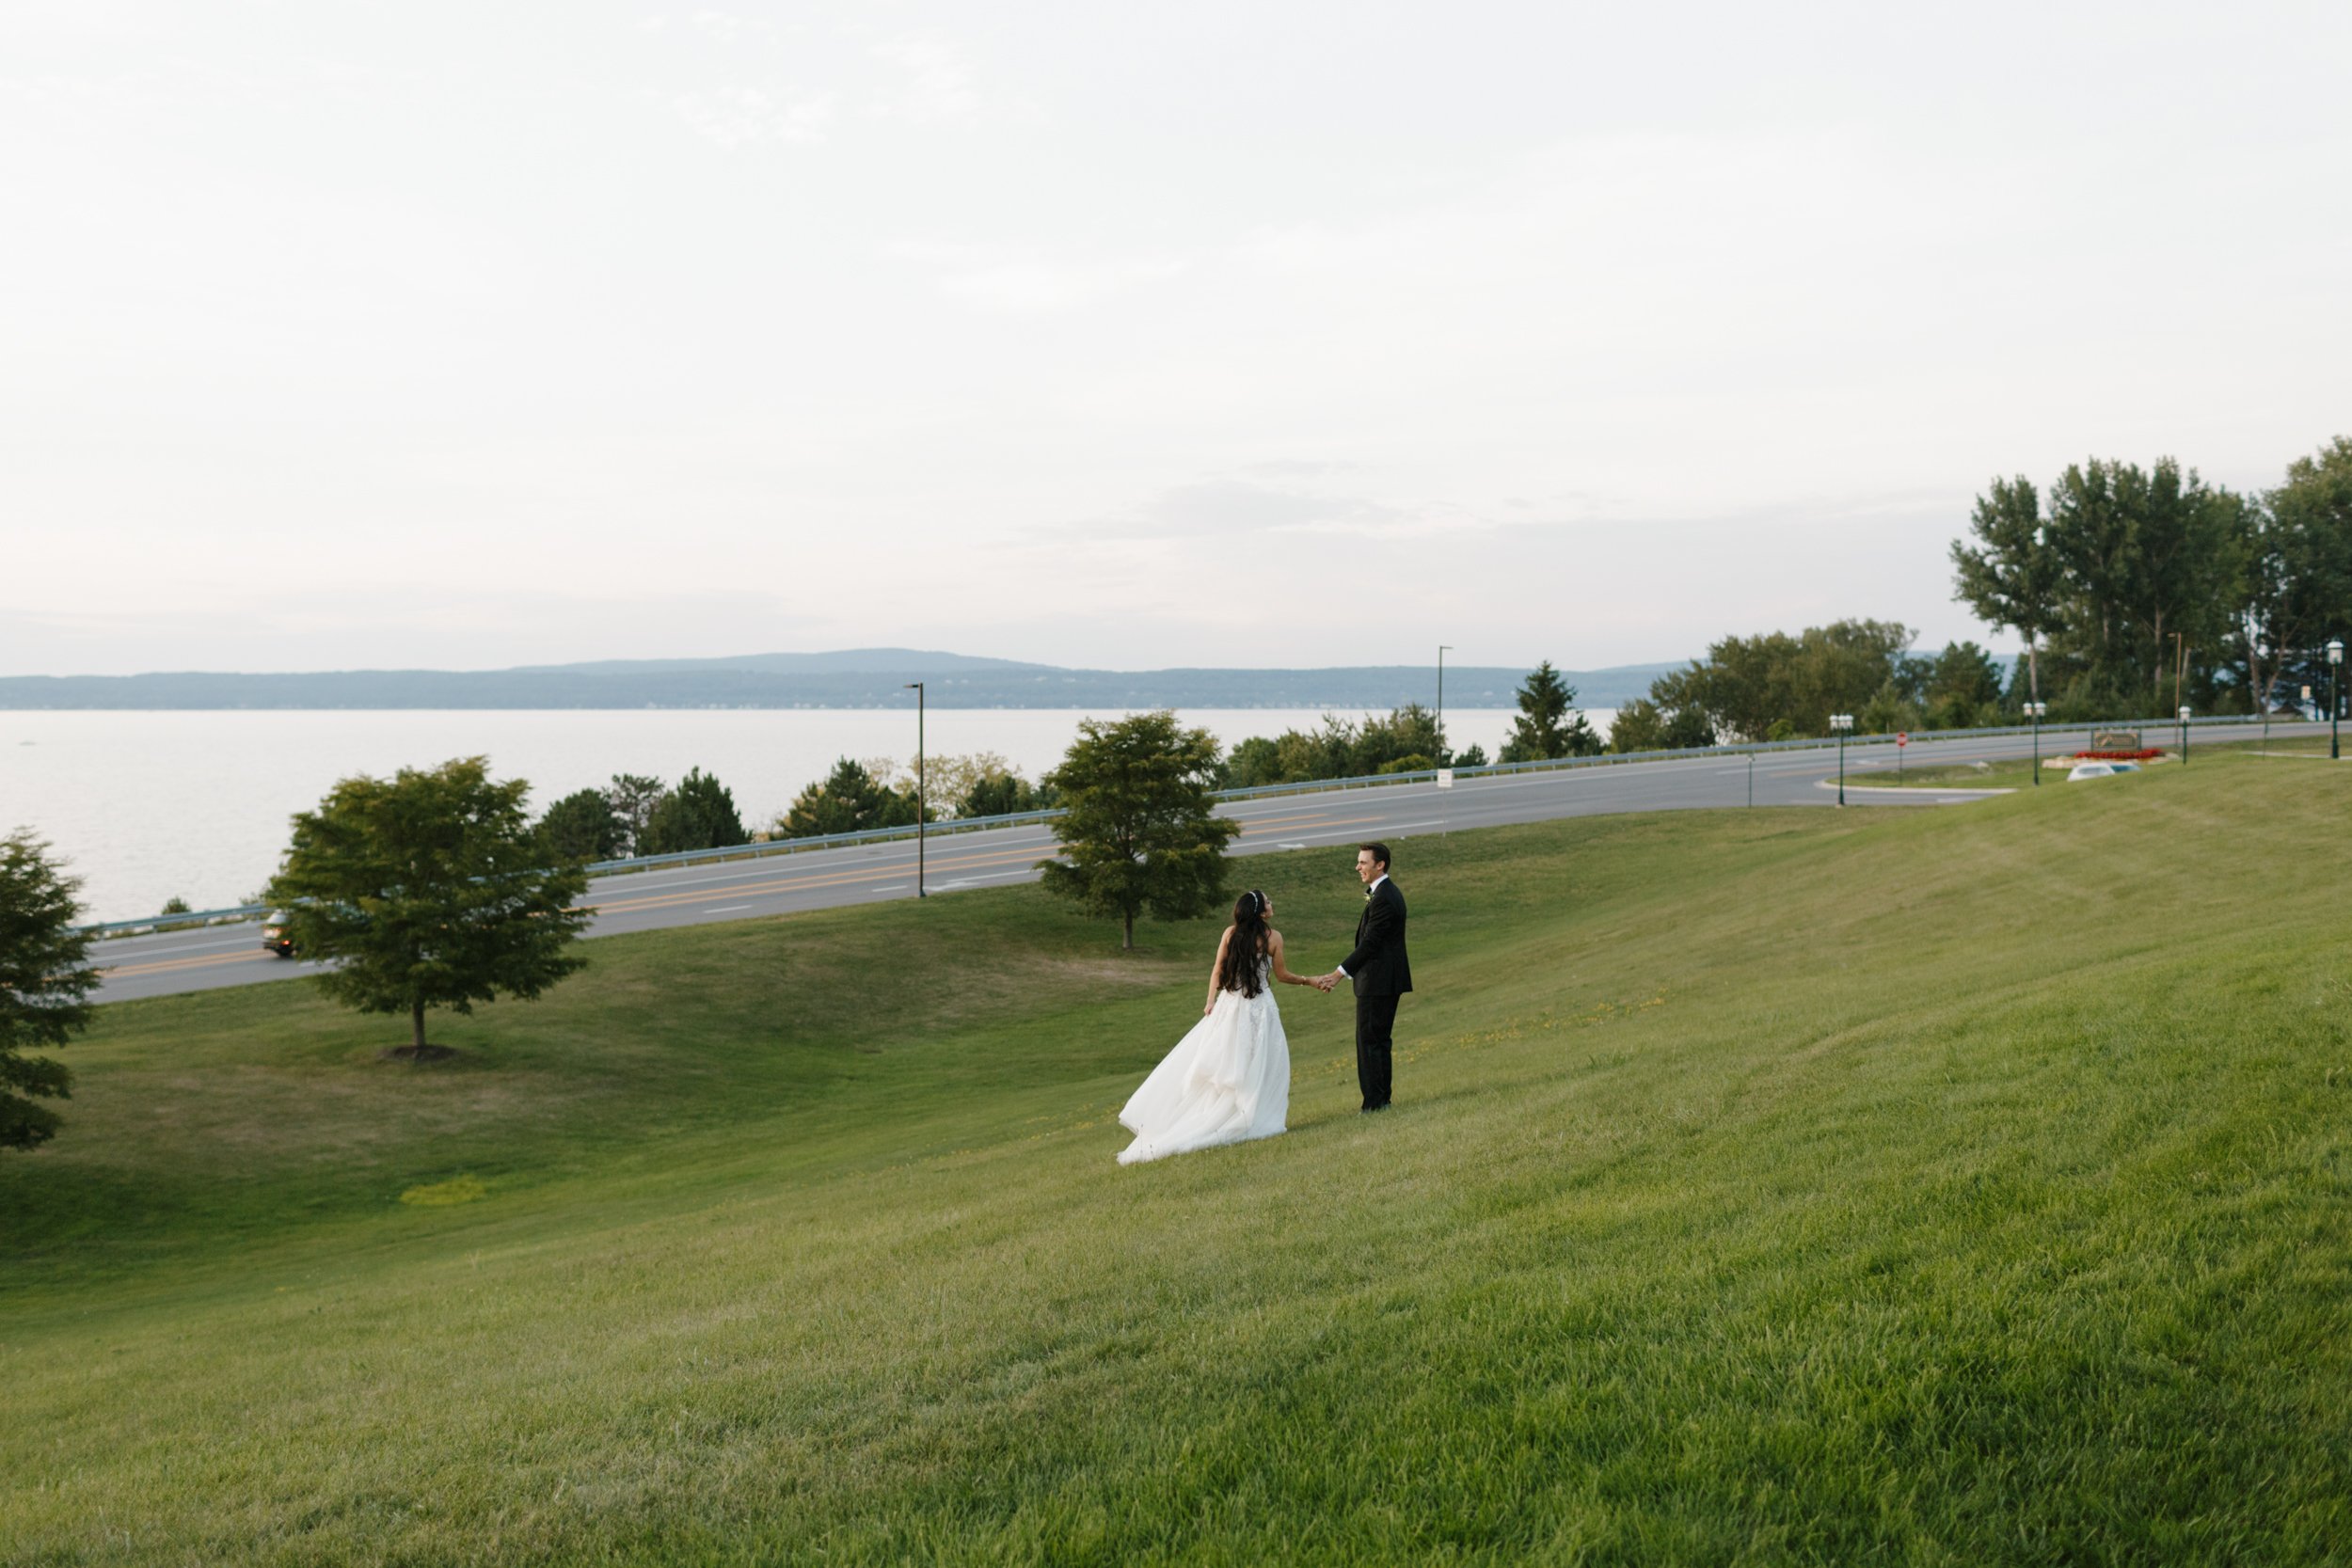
pixel 864 661
pixel 870 677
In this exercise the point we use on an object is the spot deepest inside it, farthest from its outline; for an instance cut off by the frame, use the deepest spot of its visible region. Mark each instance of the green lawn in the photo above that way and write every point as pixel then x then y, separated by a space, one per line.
pixel 2004 773
pixel 1956 1186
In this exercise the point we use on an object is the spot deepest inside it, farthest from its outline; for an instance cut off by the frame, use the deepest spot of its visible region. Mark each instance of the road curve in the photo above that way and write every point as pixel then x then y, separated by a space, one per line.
pixel 169 962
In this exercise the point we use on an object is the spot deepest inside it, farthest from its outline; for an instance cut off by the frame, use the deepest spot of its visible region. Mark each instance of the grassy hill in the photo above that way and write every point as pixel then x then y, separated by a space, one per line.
pixel 1959 1186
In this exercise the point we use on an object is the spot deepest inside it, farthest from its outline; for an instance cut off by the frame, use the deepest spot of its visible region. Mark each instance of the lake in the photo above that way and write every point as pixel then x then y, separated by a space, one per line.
pixel 148 806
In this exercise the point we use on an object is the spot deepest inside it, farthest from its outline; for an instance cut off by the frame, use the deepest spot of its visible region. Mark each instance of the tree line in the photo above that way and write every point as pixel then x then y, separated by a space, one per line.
pixel 635 815
pixel 2132 586
pixel 2134 591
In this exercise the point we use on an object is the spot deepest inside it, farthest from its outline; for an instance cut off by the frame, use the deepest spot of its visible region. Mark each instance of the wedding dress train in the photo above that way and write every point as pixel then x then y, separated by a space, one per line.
pixel 1228 1081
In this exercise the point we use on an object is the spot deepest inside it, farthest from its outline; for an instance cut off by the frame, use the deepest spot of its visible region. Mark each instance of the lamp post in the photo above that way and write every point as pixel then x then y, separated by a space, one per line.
pixel 2183 738
pixel 922 786
pixel 1841 723
pixel 2335 695
pixel 1443 649
pixel 2034 711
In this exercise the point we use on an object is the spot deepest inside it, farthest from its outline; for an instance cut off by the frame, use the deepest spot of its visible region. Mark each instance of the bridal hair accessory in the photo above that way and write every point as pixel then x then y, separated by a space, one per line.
pixel 1258 899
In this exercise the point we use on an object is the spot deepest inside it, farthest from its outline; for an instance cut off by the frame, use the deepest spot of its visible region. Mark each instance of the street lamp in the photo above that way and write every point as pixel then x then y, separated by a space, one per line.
pixel 921 786
pixel 2034 711
pixel 2183 738
pixel 1841 723
pixel 2335 695
pixel 1443 649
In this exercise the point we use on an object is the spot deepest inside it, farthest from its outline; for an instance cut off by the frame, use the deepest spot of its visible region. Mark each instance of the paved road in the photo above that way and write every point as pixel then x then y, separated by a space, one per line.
pixel 174 961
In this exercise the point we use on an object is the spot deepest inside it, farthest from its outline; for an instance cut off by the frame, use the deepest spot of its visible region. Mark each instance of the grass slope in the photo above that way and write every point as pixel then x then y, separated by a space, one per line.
pixel 1956 1186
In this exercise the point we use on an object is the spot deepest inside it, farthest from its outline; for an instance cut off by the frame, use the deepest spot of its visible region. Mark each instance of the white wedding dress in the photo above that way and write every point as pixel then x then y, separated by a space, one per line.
pixel 1227 1082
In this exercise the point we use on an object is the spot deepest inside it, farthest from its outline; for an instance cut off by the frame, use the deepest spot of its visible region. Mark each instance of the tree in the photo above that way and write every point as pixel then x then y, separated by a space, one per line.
pixel 982 783
pixel 848 800
pixel 1255 761
pixel 2141 556
pixel 2010 579
pixel 582 826
pixel 1410 733
pixel 1642 725
pixel 1139 823
pixel 1747 685
pixel 2299 576
pixel 1961 687
pixel 633 795
pixel 427 890
pixel 45 982
pixel 999 795
pixel 698 814
pixel 1547 726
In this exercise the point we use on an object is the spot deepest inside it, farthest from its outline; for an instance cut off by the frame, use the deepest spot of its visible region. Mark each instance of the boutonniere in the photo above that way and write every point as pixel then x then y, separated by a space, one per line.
pixel 1367 896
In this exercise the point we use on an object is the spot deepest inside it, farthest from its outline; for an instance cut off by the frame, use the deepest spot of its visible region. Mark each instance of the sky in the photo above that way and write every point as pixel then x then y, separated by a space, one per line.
pixel 466 336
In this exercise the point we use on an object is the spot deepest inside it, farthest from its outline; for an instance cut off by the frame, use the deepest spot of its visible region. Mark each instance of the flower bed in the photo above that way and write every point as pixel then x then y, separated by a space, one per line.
pixel 2145 753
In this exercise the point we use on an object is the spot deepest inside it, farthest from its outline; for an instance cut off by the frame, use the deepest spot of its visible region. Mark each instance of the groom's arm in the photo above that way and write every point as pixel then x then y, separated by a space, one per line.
pixel 1379 936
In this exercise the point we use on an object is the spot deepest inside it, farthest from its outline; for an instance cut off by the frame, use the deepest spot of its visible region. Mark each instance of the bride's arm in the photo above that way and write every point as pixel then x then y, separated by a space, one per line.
pixel 1281 971
pixel 1210 1005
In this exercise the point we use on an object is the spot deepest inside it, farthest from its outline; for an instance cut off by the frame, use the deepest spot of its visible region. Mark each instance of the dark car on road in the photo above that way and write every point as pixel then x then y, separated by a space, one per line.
pixel 274 937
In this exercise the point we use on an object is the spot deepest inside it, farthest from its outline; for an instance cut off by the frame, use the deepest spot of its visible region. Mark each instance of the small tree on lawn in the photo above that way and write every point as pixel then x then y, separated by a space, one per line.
pixel 429 890
pixel 44 986
pixel 698 814
pixel 1139 827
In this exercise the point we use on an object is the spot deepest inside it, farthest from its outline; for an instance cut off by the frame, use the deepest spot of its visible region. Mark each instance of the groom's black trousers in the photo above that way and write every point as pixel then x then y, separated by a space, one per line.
pixel 1375 1030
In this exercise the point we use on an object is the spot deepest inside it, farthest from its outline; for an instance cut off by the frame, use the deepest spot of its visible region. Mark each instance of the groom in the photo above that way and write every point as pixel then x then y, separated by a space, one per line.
pixel 1380 971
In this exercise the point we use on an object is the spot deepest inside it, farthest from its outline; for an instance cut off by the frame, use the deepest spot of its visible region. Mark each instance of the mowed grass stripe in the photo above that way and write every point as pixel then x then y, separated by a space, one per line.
pixel 1969 1185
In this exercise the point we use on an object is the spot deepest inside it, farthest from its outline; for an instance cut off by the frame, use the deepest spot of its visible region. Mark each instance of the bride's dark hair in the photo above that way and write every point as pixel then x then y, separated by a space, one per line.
pixel 1250 939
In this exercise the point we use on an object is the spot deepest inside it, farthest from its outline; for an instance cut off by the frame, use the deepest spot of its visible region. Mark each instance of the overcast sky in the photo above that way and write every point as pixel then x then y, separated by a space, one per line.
pixel 470 335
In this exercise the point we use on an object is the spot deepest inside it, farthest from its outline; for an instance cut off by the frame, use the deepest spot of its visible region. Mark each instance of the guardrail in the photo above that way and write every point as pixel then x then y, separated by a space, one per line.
pixel 1307 787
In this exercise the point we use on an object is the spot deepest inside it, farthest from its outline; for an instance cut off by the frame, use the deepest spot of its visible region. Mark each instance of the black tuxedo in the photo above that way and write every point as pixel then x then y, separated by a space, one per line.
pixel 1381 973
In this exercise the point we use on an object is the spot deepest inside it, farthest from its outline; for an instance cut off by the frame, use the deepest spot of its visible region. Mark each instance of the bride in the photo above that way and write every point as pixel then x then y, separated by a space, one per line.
pixel 1230 1079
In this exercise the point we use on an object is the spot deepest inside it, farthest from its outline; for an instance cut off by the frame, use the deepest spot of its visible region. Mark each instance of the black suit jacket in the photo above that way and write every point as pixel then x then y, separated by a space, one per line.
pixel 1378 967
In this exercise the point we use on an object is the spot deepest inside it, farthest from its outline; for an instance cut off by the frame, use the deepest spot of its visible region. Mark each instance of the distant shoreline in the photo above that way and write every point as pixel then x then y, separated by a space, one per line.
pixel 874 680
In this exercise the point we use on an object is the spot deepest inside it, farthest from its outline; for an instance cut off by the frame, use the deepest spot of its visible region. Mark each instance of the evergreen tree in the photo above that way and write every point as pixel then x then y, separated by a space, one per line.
pixel 698 814
pixel 1139 827
pixel 45 982
pixel 848 800
pixel 1548 725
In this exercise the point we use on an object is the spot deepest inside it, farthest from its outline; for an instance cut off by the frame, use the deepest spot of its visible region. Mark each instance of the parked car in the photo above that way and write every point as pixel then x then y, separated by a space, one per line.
pixel 274 937
pixel 2090 771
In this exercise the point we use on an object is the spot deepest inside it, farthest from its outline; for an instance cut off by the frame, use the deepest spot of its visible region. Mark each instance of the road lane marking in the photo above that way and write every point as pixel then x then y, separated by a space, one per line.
pixel 143 955
pixel 173 965
pixel 727 909
pixel 795 884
